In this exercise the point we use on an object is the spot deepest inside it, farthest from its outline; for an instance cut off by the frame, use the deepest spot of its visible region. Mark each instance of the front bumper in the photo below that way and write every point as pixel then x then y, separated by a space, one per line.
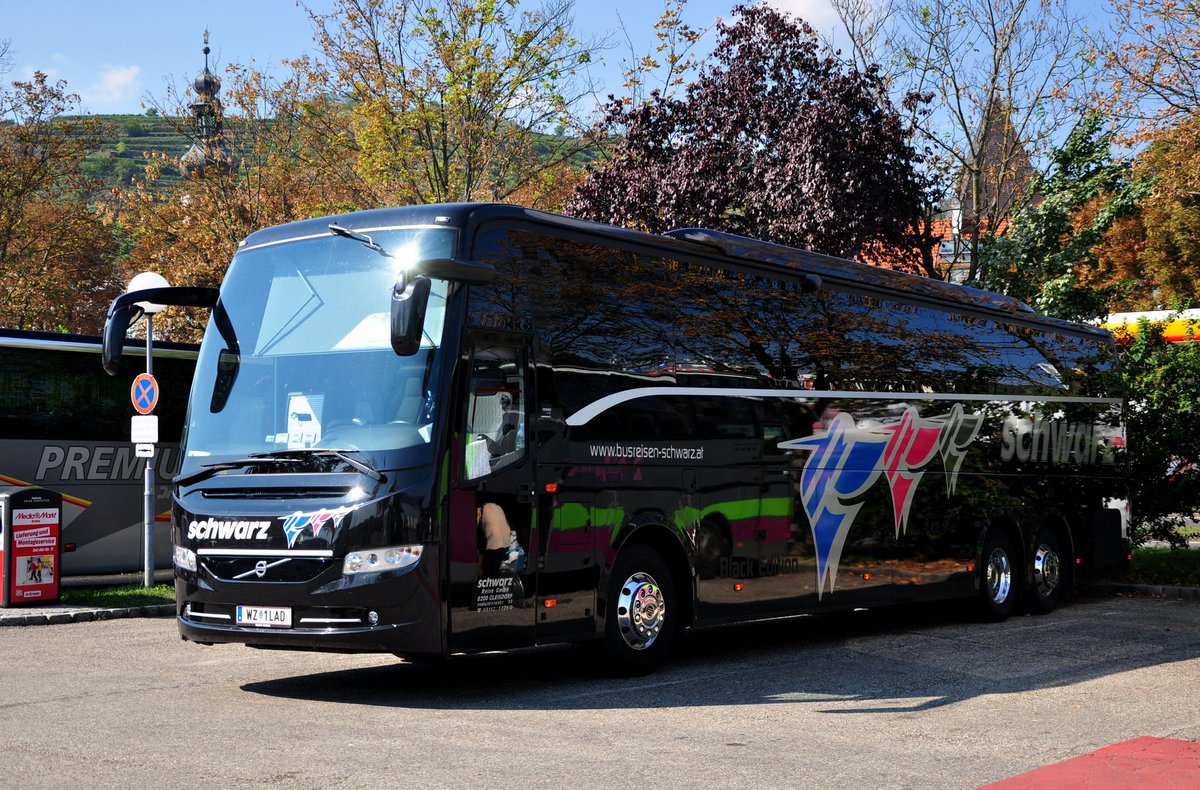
pixel 381 612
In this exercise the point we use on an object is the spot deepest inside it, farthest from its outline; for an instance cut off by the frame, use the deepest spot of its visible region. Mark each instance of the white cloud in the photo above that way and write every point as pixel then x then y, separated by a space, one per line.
pixel 116 89
pixel 113 89
pixel 818 13
pixel 54 70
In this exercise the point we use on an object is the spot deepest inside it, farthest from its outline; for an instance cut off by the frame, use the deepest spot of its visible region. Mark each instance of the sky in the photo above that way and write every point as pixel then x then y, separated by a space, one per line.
pixel 117 54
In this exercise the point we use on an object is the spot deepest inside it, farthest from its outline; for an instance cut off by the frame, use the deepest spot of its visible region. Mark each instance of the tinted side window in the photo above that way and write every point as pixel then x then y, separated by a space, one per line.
pixel 65 395
pixel 602 315
pixel 736 329
pixel 504 302
pixel 1087 365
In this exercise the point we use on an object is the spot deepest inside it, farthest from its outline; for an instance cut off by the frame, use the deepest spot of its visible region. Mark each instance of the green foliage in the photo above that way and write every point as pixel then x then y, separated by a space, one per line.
pixel 1163 428
pixel 1154 565
pixel 1043 257
pixel 125 142
pixel 445 96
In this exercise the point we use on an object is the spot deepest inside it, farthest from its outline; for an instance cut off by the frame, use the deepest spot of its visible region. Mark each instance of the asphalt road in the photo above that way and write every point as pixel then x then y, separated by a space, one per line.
pixel 907 698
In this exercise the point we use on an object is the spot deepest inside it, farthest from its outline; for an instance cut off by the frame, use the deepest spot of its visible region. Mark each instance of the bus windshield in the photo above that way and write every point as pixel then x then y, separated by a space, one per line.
pixel 297 355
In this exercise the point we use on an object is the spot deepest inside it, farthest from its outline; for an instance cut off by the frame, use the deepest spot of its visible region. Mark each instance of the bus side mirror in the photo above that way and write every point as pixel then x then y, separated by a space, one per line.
pixel 457 270
pixel 116 325
pixel 410 296
pixel 124 311
pixel 810 283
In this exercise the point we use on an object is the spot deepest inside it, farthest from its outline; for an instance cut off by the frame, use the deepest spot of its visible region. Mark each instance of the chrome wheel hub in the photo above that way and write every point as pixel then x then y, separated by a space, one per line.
pixel 999 575
pixel 1047 570
pixel 641 610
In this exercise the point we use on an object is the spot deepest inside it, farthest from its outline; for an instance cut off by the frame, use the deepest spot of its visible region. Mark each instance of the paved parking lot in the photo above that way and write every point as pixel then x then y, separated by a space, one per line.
pixel 903 698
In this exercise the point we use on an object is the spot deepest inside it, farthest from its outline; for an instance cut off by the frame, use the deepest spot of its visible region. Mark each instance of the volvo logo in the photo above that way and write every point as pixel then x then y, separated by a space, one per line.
pixel 261 567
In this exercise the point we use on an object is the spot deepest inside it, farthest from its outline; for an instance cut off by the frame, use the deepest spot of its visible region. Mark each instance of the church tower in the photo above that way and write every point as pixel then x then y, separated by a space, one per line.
pixel 208 152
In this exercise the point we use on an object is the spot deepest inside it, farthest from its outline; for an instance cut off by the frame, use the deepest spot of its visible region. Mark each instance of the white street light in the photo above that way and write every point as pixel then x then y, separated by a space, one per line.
pixel 146 280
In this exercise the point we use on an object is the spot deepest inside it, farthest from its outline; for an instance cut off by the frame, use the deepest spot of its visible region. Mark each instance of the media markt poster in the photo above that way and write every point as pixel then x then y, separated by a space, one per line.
pixel 35 552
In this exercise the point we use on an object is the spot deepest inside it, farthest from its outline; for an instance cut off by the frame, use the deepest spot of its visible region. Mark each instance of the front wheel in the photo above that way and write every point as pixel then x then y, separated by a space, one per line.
pixel 643 612
pixel 1047 573
pixel 1000 578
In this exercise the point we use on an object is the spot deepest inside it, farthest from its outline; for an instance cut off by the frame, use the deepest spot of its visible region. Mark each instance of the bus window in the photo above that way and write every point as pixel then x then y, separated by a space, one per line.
pixel 495 427
pixel 599 340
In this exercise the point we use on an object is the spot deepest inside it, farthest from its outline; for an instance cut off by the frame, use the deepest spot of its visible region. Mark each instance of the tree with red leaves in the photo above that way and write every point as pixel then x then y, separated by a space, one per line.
pixel 776 139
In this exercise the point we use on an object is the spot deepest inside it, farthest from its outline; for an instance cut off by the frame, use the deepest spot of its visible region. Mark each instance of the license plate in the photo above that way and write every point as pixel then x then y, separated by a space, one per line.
pixel 265 616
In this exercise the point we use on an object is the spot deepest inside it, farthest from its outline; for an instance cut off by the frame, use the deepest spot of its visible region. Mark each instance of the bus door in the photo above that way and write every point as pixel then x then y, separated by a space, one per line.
pixel 492 531
pixel 572 528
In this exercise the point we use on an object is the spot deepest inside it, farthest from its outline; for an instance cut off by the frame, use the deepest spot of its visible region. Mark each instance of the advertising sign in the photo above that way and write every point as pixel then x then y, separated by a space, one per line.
pixel 32 546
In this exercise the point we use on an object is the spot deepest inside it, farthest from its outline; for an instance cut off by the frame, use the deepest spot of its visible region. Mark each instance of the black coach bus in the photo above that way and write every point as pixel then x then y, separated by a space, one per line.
pixel 455 428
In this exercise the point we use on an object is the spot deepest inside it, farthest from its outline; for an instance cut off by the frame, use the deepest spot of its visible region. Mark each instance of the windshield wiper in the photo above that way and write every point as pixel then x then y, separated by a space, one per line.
pixel 209 470
pixel 331 452
pixel 361 238
pixel 282 457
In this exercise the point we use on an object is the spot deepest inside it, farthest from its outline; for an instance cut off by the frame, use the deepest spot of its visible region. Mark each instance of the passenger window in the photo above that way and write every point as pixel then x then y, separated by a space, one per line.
pixel 495 419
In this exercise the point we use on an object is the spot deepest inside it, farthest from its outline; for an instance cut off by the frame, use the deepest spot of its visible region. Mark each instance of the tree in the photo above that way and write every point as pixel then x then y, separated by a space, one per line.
pixel 444 98
pixel 1151 55
pixel 774 139
pixel 669 65
pixel 1002 74
pixel 1152 255
pixel 1164 431
pixel 1171 214
pixel 56 257
pixel 1047 254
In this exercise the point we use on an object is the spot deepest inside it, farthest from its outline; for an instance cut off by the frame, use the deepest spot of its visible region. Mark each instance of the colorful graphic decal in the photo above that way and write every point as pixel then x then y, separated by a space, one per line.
pixel 295 524
pixel 846 460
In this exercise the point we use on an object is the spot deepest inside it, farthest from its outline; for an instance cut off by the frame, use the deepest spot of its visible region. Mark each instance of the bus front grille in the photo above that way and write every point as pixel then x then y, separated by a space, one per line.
pixel 270 569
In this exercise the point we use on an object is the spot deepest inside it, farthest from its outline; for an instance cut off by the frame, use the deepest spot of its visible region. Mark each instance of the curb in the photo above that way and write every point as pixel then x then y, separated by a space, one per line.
pixel 1157 590
pixel 65 614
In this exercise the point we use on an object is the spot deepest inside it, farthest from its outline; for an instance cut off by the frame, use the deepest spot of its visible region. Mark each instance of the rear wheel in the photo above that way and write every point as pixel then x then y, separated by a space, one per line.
pixel 1046 572
pixel 643 611
pixel 1000 579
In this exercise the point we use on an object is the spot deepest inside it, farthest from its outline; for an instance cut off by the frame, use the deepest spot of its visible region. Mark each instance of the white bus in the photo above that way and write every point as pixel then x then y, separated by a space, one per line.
pixel 65 426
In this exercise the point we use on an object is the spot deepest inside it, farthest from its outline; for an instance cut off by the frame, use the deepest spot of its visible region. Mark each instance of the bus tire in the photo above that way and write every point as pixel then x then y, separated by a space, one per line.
pixel 1046 572
pixel 1000 578
pixel 643 610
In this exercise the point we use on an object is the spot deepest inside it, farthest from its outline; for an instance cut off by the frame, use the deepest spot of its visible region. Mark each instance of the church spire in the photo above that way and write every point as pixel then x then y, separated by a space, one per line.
pixel 208 151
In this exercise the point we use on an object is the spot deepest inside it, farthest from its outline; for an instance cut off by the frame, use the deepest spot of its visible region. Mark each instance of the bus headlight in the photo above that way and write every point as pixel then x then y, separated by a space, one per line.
pixel 388 558
pixel 185 559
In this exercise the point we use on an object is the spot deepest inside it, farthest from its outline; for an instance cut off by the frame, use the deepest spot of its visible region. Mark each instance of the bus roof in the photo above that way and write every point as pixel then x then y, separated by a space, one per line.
pixel 466 215
pixel 63 341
